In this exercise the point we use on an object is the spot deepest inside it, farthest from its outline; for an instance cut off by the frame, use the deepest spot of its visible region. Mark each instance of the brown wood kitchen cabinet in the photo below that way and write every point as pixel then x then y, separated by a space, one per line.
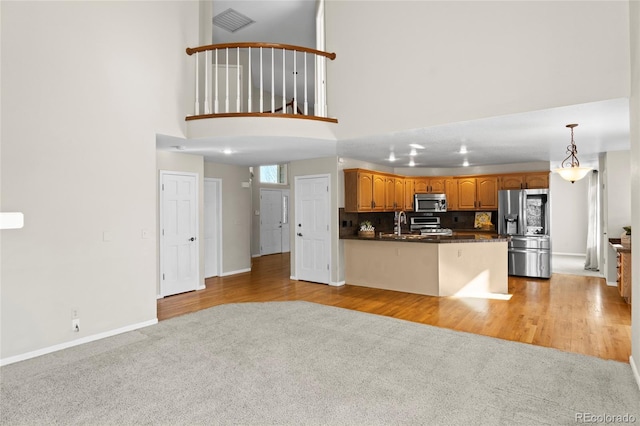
pixel 478 193
pixel 451 191
pixel 364 191
pixel 408 193
pixel 429 185
pixel 525 180
pixel 394 193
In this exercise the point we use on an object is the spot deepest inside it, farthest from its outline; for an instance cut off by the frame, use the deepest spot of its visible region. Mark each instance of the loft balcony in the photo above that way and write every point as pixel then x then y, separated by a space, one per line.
pixel 239 83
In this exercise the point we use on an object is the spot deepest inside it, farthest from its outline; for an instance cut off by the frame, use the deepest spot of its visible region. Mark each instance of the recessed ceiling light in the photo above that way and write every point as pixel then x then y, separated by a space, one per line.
pixel 411 163
pixel 392 157
pixel 413 152
pixel 465 164
pixel 415 145
pixel 227 151
pixel 463 150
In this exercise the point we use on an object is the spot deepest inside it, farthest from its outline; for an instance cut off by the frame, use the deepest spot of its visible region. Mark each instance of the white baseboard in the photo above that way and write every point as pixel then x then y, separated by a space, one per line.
pixel 569 254
pixel 201 287
pixel 256 255
pixel 612 284
pixel 337 284
pixel 636 375
pixel 72 343
pixel 239 271
pixel 293 277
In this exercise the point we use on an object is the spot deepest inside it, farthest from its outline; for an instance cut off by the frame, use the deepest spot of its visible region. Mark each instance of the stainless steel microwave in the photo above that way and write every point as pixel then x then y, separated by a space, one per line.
pixel 430 203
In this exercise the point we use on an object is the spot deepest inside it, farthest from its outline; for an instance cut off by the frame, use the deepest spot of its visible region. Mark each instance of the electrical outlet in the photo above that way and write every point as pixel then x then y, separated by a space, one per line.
pixel 75 325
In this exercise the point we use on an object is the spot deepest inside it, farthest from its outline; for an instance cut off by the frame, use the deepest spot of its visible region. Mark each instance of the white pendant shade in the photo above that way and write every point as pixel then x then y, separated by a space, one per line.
pixel 573 174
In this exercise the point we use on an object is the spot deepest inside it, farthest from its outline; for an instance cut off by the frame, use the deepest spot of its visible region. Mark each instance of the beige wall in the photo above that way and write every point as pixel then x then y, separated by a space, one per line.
pixel 236 215
pixel 86 86
pixel 177 162
pixel 635 179
pixel 472 60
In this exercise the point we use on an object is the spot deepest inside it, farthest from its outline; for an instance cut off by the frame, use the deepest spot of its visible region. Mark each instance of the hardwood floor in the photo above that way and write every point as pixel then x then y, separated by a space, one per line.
pixel 567 312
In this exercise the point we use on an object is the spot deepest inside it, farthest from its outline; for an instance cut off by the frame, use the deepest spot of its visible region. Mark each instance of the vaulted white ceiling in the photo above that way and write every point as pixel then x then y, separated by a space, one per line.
pixel 526 137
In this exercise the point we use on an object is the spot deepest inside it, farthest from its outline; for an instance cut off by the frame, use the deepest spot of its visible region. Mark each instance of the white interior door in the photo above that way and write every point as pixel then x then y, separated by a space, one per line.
pixel 270 221
pixel 212 227
pixel 313 236
pixel 178 232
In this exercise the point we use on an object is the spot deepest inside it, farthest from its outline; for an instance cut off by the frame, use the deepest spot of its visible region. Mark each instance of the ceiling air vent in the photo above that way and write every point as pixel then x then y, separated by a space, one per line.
pixel 231 20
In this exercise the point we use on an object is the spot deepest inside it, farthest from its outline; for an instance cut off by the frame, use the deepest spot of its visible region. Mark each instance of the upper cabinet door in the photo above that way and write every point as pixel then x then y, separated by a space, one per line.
pixel 408 194
pixel 398 203
pixel 512 182
pixel 466 193
pixel 378 193
pixel 537 181
pixel 437 186
pixel 389 192
pixel 421 185
pixel 487 192
pixel 365 191
pixel 451 191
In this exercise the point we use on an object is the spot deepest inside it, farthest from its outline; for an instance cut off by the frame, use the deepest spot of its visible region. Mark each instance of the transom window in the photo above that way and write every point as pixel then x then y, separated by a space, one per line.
pixel 276 174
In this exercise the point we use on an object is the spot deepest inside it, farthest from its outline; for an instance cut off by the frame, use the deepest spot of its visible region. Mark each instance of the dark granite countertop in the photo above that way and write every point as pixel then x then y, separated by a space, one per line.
pixel 466 237
pixel 617 245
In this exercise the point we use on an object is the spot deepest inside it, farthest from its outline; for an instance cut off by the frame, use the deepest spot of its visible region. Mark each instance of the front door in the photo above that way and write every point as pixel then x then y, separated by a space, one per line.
pixel 313 236
pixel 270 221
pixel 178 232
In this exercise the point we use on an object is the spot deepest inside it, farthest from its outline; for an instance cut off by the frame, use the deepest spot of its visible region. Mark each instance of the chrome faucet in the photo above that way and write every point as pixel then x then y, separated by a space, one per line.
pixel 402 218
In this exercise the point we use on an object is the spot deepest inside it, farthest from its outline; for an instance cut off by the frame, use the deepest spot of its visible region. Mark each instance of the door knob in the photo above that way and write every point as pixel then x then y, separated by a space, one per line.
pixel 192 239
pixel 299 234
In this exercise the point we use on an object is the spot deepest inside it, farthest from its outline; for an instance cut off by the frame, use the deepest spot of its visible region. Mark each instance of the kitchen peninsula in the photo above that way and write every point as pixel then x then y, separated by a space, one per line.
pixel 472 265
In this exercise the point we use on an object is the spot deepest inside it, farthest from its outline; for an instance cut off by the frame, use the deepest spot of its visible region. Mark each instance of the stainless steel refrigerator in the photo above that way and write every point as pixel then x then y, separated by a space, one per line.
pixel 524 215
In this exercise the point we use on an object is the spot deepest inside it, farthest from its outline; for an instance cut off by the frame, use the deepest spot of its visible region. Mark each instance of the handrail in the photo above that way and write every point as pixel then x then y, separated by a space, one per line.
pixel 192 50
pixel 243 78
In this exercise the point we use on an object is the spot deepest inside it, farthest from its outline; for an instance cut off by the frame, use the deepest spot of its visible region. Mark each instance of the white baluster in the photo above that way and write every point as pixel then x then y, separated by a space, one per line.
pixel 261 91
pixel 197 103
pixel 306 104
pixel 284 86
pixel 207 76
pixel 226 100
pixel 237 79
pixel 216 105
pixel 249 83
pixel 273 76
pixel 294 106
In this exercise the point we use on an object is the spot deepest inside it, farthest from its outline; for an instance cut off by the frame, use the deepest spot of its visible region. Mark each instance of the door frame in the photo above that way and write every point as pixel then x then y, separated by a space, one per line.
pixel 161 250
pixel 217 225
pixel 297 212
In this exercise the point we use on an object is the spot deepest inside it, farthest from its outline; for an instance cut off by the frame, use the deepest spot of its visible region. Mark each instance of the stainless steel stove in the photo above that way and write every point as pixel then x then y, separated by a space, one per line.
pixel 429 225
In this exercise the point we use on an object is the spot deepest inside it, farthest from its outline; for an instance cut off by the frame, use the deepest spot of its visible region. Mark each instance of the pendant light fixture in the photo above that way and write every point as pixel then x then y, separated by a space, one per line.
pixel 570 168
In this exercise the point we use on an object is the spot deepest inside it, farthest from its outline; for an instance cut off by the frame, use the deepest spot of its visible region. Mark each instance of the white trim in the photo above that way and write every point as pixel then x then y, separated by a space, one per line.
pixel 201 287
pixel 161 222
pixel 218 181
pixel 337 283
pixel 634 369
pixel 76 342
pixel 569 254
pixel 294 278
pixel 239 271
pixel 256 255
pixel 612 284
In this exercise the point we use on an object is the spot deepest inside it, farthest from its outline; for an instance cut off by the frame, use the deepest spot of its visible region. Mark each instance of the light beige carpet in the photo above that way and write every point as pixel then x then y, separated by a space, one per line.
pixel 303 363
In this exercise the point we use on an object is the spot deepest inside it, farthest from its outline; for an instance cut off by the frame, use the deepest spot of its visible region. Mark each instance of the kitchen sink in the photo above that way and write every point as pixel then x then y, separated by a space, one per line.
pixel 403 237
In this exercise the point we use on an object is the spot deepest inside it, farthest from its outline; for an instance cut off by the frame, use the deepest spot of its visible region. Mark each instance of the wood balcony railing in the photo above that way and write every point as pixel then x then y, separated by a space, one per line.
pixel 260 79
